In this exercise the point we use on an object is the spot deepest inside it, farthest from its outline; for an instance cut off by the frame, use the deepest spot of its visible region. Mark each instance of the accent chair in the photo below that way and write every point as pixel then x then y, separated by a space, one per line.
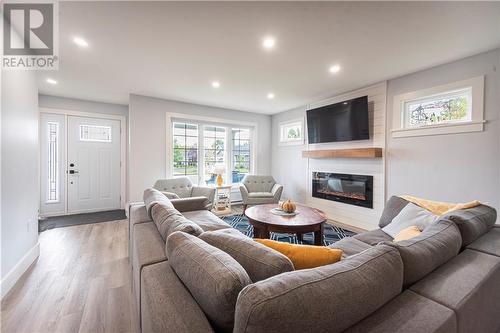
pixel 182 187
pixel 258 190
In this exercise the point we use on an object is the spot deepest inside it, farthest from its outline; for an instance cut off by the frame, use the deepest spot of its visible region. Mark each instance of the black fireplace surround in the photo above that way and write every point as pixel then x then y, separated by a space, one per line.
pixel 350 189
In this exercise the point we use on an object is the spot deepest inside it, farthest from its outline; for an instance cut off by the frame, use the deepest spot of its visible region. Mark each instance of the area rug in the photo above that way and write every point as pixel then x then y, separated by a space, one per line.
pixel 331 233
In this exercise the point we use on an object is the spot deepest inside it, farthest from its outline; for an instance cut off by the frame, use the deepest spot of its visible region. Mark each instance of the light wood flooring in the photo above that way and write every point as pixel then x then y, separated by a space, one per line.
pixel 80 283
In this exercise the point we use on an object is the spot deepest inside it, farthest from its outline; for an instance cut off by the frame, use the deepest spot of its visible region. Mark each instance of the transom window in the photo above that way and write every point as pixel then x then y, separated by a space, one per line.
pixel 448 107
pixel 456 107
pixel 199 150
pixel 95 133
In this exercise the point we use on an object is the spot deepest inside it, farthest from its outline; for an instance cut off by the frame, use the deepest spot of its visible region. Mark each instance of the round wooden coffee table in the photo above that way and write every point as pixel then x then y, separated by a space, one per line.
pixel 307 220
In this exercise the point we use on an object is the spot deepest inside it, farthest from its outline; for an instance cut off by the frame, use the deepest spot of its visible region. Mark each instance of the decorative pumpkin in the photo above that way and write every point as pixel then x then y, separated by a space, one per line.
pixel 288 206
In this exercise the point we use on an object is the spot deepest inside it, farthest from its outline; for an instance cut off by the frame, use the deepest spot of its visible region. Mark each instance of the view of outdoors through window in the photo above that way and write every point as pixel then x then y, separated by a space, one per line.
pixel 440 109
pixel 214 151
pixel 241 154
pixel 185 149
pixel 214 146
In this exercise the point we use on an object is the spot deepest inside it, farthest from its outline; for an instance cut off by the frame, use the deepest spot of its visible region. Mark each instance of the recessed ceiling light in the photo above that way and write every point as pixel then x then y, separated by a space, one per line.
pixel 335 69
pixel 268 43
pixel 216 84
pixel 80 42
pixel 51 81
pixel 270 96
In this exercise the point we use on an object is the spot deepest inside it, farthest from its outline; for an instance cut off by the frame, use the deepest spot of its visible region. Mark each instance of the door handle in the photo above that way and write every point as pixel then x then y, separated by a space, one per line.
pixel 71 172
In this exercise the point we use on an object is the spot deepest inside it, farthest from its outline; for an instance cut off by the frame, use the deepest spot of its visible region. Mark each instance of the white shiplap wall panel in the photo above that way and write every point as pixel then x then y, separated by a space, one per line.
pixel 360 217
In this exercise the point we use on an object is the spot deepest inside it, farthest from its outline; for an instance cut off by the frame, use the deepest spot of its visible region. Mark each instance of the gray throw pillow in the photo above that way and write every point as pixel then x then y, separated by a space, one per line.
pixel 392 208
pixel 410 215
pixel 168 220
pixel 259 261
pixel 151 197
pixel 212 276
pixel 170 195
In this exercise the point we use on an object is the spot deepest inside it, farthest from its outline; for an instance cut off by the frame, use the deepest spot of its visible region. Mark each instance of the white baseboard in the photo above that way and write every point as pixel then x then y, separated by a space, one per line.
pixel 18 270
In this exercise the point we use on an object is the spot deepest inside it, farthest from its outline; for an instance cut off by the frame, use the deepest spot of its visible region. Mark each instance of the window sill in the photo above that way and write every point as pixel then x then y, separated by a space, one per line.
pixel 470 126
pixel 299 142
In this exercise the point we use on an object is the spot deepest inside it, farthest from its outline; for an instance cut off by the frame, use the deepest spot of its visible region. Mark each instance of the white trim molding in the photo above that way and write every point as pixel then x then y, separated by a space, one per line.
pixel 19 269
pixel 474 124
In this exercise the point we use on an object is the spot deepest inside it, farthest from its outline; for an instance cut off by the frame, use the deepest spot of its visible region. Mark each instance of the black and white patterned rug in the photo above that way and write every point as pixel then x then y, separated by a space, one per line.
pixel 331 233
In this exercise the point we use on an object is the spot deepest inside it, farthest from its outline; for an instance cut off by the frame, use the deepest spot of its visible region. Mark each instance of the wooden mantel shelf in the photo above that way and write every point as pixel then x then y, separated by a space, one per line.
pixel 344 153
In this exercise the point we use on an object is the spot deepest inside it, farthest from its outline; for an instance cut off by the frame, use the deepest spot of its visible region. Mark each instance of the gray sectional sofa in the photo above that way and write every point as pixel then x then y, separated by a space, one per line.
pixel 192 272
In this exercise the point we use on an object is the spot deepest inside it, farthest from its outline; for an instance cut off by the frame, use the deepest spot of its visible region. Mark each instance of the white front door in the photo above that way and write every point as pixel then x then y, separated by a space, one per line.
pixel 93 164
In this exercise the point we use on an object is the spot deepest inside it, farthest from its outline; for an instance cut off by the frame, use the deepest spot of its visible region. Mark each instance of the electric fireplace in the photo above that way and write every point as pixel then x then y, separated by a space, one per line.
pixel 350 189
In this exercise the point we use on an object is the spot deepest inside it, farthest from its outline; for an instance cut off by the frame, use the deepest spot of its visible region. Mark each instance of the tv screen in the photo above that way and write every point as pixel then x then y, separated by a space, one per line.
pixel 344 121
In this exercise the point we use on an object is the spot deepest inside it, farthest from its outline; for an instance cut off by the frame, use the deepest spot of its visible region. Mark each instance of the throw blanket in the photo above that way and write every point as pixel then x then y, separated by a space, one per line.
pixel 439 208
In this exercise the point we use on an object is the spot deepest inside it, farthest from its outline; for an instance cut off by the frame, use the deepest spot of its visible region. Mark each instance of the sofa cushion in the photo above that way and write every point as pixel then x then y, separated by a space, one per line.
pixel 212 276
pixel 168 220
pixel 350 246
pixel 473 222
pixel 260 195
pixel 488 243
pixel 325 299
pixel 259 261
pixel 391 209
pixel 149 248
pixel 152 197
pixel 422 254
pixel 469 285
pixel 373 237
pixel 166 305
pixel 408 313
pixel 206 220
pixel 410 215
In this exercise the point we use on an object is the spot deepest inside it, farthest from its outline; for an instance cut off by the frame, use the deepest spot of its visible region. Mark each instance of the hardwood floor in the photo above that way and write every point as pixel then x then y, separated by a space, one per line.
pixel 80 283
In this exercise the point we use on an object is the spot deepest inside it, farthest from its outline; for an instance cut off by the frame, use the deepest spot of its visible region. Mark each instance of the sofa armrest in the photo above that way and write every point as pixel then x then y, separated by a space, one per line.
pixel 203 191
pixel 244 192
pixel 166 304
pixel 277 190
pixel 190 204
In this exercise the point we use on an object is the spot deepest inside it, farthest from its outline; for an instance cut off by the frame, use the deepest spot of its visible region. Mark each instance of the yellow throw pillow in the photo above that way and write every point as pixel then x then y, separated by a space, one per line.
pixel 407 233
pixel 304 256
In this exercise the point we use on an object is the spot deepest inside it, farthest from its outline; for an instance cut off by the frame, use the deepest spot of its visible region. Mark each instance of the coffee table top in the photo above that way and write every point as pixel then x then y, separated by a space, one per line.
pixel 307 216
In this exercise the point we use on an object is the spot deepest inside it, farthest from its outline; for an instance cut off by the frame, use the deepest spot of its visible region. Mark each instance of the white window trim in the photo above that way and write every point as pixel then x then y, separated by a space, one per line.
pixel 475 124
pixel 201 120
pixel 293 142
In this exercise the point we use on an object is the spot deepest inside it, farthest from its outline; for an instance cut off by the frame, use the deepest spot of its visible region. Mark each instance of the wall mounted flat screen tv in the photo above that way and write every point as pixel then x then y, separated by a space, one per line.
pixel 344 121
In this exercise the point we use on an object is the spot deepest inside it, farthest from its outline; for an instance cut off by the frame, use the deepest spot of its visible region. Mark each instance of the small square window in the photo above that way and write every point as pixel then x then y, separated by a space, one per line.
pixel 292 132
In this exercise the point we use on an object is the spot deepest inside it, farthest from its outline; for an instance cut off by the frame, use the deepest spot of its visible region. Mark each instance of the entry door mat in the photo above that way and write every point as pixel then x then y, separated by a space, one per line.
pixel 331 233
pixel 78 219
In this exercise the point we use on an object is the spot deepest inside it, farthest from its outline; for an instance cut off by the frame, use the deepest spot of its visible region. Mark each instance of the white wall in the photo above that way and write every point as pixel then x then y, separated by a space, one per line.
pixel 452 167
pixel 147 133
pixel 19 174
pixel 295 172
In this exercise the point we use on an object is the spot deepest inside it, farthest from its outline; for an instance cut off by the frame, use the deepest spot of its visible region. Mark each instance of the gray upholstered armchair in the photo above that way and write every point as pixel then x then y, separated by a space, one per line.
pixel 182 187
pixel 256 190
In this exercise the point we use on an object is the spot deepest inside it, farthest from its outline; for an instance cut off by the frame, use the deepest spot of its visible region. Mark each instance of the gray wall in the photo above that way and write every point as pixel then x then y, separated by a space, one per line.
pixel 147 132
pixel 19 172
pixel 452 167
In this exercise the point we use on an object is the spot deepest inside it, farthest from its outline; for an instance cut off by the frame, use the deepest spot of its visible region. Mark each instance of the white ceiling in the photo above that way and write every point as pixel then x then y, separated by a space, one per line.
pixel 174 50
